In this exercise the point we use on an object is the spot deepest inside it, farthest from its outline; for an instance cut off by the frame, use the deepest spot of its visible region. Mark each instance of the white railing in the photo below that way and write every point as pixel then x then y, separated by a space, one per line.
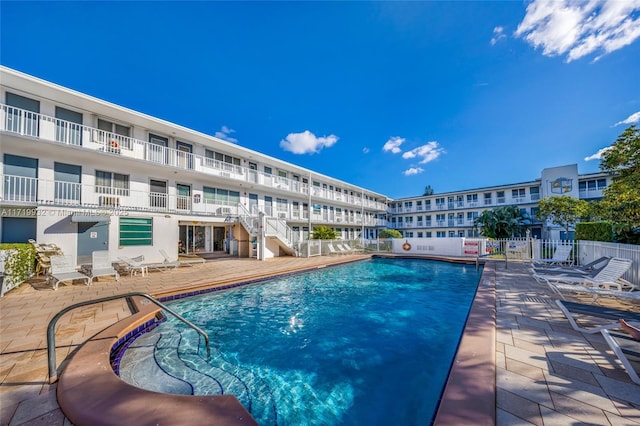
pixel 27 123
pixel 19 189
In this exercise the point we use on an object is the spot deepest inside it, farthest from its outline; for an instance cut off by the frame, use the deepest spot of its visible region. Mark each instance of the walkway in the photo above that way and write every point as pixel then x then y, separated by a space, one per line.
pixel 546 372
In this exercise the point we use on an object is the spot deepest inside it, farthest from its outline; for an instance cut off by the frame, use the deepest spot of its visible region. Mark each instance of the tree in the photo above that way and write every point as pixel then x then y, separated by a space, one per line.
pixel 323 232
pixel 389 233
pixel 428 190
pixel 502 222
pixel 621 202
pixel 563 210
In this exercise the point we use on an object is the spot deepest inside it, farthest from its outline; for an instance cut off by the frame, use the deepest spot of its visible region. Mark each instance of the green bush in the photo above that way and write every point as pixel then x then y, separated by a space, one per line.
pixel 18 266
pixel 594 231
pixel 389 233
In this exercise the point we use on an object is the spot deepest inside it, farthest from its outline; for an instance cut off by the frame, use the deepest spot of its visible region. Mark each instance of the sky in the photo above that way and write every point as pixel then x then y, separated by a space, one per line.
pixel 389 96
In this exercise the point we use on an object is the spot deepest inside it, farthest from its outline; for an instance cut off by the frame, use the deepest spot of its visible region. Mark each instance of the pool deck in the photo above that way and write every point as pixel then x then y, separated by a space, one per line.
pixel 545 372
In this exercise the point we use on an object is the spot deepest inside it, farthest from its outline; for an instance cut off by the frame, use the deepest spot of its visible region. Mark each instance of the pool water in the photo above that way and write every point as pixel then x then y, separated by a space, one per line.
pixel 369 343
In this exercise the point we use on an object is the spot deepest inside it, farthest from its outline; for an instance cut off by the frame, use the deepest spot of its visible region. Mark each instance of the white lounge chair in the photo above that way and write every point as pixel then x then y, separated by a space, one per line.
pixel 135 266
pixel 624 346
pixel 596 292
pixel 186 260
pixel 345 248
pixel 560 256
pixel 573 311
pixel 63 269
pixel 101 265
pixel 333 250
pixel 607 277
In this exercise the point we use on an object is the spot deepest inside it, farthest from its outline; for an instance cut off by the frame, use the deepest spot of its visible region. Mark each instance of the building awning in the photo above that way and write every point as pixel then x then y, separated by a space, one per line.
pixel 88 217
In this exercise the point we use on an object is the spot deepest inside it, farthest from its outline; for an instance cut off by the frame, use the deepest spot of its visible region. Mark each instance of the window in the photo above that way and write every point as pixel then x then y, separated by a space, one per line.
pixel 282 205
pixel 112 183
pixel 441 234
pixel 67 182
pixel 487 198
pixel 428 234
pixel 472 198
pixel 136 231
pixel 452 234
pixel 157 193
pixel 500 197
pixel 534 191
pixel 110 127
pixel 518 194
pixel 472 215
pixel 419 234
pixel 68 126
pixel 408 205
pixel 25 121
pixel 213 156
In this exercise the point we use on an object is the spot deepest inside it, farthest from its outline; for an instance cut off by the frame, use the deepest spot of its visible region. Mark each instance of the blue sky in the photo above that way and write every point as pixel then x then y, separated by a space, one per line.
pixel 390 96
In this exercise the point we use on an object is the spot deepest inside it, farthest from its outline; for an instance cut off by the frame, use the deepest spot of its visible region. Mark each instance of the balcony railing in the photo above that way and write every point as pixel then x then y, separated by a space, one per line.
pixel 31 124
pixel 41 192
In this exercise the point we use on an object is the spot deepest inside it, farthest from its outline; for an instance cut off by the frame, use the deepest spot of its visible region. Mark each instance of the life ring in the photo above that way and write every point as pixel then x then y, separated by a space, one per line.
pixel 114 144
pixel 406 246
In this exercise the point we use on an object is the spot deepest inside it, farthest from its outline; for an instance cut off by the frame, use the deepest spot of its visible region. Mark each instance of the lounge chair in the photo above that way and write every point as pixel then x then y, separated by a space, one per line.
pixel 135 266
pixel 609 276
pixel 573 310
pixel 101 265
pixel 590 269
pixel 560 256
pixel 63 269
pixel 596 292
pixel 333 250
pixel 624 346
pixel 183 260
pixel 345 248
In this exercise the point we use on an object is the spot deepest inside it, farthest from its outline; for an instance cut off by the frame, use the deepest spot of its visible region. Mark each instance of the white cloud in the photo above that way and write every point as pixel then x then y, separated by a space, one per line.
pixel 597 155
pixel 633 118
pixel 306 142
pixel 498 34
pixel 427 153
pixel 413 171
pixel 579 28
pixel 365 150
pixel 393 144
pixel 224 133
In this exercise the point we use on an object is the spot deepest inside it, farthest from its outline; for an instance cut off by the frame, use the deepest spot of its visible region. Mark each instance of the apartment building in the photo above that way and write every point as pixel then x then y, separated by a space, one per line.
pixel 452 214
pixel 90 175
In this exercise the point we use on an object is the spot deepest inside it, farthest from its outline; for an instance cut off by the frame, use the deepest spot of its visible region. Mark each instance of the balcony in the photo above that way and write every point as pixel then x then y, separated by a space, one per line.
pixel 45 128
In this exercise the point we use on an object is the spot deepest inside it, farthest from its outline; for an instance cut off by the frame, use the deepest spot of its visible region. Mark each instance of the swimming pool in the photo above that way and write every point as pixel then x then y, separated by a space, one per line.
pixel 366 343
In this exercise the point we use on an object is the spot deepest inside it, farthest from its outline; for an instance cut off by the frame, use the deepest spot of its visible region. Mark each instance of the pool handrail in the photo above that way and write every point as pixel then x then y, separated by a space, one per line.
pixel 51 335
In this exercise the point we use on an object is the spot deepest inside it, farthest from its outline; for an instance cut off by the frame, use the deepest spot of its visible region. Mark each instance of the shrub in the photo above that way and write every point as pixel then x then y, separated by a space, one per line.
pixel 594 231
pixel 18 263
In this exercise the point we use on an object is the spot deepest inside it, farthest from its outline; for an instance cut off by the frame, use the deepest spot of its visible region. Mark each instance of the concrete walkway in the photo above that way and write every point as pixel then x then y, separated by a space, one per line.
pixel 546 372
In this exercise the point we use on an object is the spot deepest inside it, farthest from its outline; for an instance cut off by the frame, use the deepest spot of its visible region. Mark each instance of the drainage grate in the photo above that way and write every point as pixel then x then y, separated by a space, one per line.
pixel 535 299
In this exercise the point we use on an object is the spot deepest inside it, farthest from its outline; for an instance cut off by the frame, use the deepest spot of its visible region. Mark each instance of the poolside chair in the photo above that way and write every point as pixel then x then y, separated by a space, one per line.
pixel 101 265
pixel 624 346
pixel 609 276
pixel 560 256
pixel 333 250
pixel 183 260
pixel 573 311
pixel 346 248
pixel 591 268
pixel 596 292
pixel 135 266
pixel 63 269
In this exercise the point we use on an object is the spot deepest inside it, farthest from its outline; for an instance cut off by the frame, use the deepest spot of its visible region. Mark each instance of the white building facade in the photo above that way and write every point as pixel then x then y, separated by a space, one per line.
pixel 452 214
pixel 90 175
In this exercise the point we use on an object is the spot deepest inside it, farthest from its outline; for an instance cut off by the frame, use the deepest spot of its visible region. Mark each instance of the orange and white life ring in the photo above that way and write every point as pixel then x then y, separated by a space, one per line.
pixel 406 246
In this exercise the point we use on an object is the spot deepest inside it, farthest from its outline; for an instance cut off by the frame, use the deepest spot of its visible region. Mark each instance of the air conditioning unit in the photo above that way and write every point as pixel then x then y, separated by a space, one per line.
pixel 108 201
pixel 282 215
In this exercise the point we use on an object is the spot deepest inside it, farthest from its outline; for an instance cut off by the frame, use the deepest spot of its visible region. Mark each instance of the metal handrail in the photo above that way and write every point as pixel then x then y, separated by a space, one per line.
pixel 51 337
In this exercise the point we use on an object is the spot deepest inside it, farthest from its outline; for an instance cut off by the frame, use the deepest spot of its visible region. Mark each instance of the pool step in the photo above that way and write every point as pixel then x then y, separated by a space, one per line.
pixel 138 365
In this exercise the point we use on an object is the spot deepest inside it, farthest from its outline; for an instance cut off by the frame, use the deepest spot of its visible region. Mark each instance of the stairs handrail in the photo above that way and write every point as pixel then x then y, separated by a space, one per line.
pixel 51 334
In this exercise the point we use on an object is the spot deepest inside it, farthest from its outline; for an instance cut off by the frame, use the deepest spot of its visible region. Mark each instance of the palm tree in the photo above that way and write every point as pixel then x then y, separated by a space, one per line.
pixel 503 222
